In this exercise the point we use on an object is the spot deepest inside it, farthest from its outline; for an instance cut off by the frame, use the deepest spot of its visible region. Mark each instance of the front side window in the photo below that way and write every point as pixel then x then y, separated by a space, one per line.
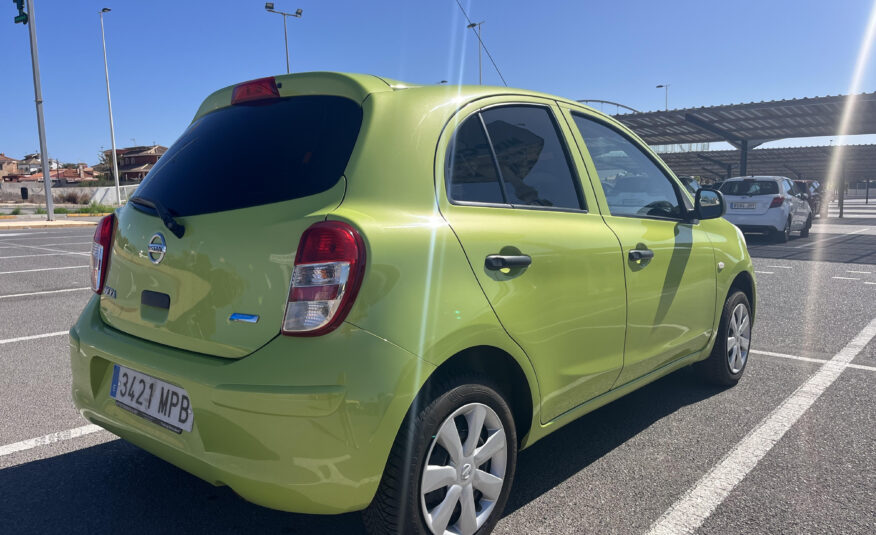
pixel 519 160
pixel 634 185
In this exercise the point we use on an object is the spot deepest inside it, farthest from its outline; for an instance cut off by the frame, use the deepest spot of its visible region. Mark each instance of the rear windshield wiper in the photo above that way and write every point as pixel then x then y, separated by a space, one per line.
pixel 163 213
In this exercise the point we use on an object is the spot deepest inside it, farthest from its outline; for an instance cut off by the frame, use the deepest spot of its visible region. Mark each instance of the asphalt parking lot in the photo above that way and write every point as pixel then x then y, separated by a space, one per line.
pixel 764 457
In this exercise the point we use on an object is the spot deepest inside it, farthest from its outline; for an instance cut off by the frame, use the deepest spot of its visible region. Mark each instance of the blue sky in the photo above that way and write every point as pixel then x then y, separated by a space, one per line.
pixel 166 56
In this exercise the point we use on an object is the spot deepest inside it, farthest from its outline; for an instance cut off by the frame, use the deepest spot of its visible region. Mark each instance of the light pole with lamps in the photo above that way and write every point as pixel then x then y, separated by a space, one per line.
pixel 477 25
pixel 666 86
pixel 109 103
pixel 269 7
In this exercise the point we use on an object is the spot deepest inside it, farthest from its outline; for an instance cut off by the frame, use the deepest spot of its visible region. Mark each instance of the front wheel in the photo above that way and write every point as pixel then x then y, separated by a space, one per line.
pixel 726 363
pixel 451 466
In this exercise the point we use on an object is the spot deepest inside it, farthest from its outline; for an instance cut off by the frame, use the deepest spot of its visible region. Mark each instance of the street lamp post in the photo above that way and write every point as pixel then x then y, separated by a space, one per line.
pixel 109 103
pixel 269 7
pixel 480 48
pixel 29 18
pixel 665 86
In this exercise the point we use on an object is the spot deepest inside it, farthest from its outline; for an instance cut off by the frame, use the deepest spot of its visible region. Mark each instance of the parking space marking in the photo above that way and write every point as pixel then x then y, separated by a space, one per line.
pixel 847 278
pixel 45 292
pixel 809 359
pixel 45 440
pixel 43 254
pixel 866 282
pixel 47 249
pixel 765 272
pixel 816 242
pixel 781 267
pixel 40 269
pixel 853 271
pixel 32 337
pixel 696 505
pixel 47 244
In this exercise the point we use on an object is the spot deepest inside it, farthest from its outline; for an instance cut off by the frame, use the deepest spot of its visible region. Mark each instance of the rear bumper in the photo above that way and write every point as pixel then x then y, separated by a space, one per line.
pixel 302 424
pixel 771 221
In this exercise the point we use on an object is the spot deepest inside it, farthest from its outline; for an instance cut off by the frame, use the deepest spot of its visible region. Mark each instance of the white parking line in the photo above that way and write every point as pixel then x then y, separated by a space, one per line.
pixel 47 244
pixel 809 359
pixel 45 292
pixel 781 267
pixel 853 271
pixel 866 282
pixel 847 278
pixel 32 337
pixel 48 439
pixel 40 269
pixel 696 505
pixel 43 254
pixel 765 272
pixel 47 249
pixel 816 242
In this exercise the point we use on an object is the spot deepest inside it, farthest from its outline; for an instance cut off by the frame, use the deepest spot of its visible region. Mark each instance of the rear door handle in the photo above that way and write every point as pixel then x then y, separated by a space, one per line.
pixel 641 254
pixel 496 261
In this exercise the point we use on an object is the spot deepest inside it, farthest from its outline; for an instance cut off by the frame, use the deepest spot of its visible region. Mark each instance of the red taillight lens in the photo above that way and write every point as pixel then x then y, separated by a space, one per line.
pixel 777 201
pixel 255 90
pixel 100 252
pixel 328 272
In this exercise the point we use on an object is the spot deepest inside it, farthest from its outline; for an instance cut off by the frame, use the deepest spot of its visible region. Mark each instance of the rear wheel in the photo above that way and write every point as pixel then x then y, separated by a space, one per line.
pixel 451 466
pixel 729 356
pixel 805 231
pixel 783 235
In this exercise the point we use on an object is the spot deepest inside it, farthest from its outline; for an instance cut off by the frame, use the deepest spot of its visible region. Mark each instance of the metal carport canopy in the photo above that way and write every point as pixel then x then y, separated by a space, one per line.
pixel 858 162
pixel 755 122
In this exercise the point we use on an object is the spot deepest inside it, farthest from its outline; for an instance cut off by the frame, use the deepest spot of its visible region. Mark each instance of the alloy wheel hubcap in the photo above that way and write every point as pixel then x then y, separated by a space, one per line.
pixel 465 471
pixel 738 338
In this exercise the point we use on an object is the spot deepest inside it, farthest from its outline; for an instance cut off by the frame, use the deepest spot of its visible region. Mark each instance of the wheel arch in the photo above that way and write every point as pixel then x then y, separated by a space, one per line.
pixel 496 364
pixel 744 282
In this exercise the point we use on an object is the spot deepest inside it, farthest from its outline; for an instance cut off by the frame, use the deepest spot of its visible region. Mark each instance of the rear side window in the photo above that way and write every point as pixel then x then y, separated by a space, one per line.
pixel 473 176
pixel 253 154
pixel 519 160
pixel 750 187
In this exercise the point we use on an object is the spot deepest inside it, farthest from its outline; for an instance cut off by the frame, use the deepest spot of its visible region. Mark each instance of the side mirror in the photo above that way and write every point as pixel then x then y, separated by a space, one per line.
pixel 709 204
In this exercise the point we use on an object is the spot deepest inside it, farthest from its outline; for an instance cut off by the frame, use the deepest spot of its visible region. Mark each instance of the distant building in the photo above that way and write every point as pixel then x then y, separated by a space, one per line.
pixel 8 166
pixel 81 173
pixel 31 163
pixel 135 162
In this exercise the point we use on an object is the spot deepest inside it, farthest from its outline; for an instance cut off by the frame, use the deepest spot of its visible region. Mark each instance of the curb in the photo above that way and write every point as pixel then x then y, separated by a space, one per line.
pixel 101 214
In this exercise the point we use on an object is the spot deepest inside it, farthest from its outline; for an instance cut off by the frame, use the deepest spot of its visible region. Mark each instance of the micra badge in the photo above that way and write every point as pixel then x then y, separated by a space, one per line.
pixel 109 292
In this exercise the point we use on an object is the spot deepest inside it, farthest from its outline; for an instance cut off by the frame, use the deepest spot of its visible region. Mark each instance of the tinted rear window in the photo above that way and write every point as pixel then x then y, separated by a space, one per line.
pixel 253 154
pixel 750 187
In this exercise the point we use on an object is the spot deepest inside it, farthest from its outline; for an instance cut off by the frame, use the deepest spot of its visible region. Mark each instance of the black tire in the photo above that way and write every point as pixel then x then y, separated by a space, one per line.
pixel 805 232
pixel 716 368
pixel 782 236
pixel 396 507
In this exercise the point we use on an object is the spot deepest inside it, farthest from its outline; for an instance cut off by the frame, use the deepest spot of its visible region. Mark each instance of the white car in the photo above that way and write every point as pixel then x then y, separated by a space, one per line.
pixel 767 204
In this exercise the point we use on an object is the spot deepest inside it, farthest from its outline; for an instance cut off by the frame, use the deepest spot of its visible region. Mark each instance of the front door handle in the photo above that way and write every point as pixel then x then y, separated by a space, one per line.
pixel 641 254
pixel 497 261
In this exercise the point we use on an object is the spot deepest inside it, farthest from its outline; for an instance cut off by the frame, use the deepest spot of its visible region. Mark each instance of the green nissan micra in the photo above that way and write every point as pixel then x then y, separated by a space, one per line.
pixel 340 292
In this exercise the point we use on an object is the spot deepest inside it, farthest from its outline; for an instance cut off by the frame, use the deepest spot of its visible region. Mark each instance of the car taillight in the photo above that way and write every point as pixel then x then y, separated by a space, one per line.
pixel 255 90
pixel 100 252
pixel 777 201
pixel 328 273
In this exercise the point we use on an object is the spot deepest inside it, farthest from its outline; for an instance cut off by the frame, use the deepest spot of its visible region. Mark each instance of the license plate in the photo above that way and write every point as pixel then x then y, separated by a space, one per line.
pixel 161 403
pixel 743 205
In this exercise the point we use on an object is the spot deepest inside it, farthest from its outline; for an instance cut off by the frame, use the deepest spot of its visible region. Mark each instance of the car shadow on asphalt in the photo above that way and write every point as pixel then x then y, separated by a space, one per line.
pixel 116 485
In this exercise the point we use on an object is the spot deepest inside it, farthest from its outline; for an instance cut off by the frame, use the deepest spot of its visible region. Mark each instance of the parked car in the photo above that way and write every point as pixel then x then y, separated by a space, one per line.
pixel 767 204
pixel 690 183
pixel 415 284
pixel 811 193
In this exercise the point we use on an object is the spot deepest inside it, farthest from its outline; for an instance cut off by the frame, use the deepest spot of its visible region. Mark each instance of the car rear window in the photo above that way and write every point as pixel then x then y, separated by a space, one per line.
pixel 750 187
pixel 252 154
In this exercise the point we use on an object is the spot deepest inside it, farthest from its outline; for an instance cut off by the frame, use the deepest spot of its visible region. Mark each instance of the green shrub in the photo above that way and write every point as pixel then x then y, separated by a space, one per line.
pixel 15 211
pixel 95 209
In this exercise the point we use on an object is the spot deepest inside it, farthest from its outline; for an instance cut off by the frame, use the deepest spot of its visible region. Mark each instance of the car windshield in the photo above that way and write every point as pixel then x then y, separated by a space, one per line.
pixel 750 187
pixel 247 155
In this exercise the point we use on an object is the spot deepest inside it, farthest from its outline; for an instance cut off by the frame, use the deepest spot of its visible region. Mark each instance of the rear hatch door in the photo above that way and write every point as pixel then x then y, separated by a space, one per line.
pixel 245 181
